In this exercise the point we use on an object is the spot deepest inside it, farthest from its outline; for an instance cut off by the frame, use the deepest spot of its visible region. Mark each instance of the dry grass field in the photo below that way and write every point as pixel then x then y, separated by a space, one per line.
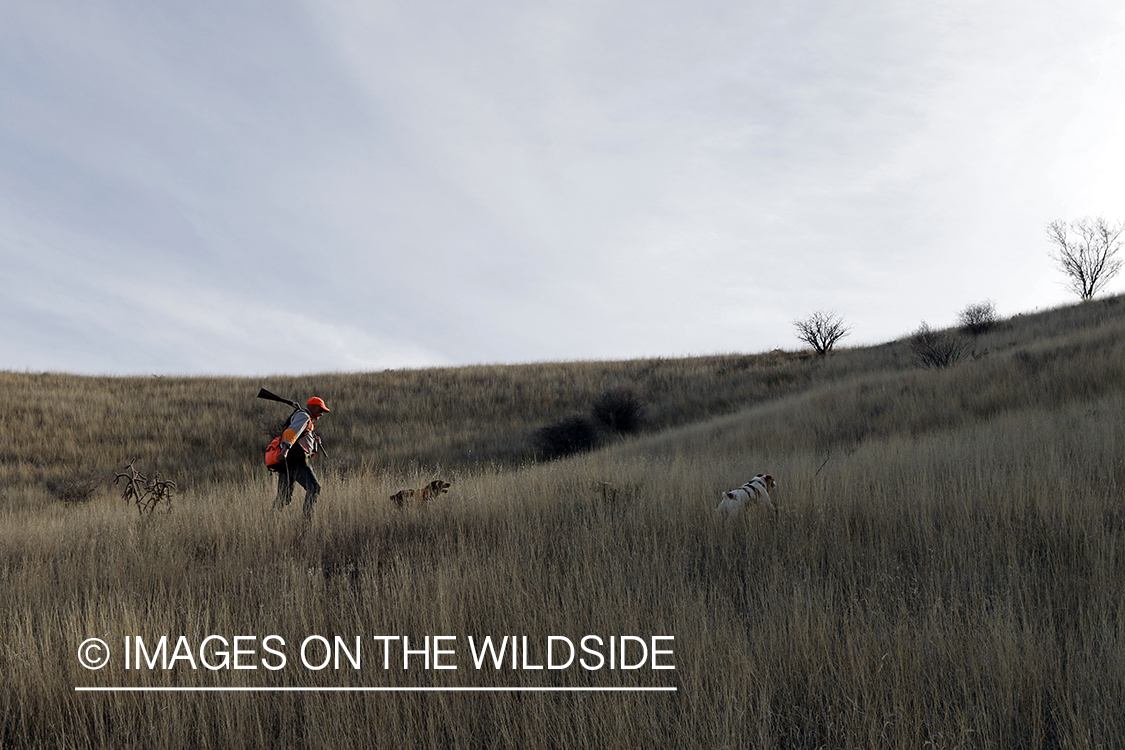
pixel 947 569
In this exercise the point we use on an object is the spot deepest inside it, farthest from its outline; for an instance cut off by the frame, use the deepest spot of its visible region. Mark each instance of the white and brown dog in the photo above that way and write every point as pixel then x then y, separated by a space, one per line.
pixel 757 490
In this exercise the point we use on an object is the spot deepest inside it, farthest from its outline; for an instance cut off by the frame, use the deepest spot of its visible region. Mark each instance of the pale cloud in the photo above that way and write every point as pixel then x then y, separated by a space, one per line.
pixel 405 184
pixel 122 318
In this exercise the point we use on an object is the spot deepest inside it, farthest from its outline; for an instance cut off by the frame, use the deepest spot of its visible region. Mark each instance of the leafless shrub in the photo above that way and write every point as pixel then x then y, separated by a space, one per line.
pixel 821 330
pixel 78 487
pixel 977 318
pixel 1088 260
pixel 143 492
pixel 937 349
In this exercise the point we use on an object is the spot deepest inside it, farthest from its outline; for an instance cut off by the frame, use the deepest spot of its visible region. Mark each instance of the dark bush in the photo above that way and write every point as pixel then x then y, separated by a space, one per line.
pixel 619 408
pixel 569 435
pixel 937 349
pixel 978 318
pixel 77 488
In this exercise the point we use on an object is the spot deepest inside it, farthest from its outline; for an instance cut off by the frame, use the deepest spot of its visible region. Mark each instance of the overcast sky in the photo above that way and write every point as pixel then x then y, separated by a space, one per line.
pixel 252 188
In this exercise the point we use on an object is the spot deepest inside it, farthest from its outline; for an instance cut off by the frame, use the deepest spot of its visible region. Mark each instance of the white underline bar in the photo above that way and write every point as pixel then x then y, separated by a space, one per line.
pixel 375 689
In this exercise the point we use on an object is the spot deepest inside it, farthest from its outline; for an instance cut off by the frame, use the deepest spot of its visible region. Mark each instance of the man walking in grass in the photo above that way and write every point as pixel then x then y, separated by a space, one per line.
pixel 299 443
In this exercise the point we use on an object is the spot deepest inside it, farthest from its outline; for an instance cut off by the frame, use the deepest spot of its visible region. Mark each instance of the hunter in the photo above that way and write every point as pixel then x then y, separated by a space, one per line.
pixel 299 434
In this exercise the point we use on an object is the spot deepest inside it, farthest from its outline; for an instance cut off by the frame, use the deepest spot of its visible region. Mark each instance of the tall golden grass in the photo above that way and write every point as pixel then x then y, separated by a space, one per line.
pixel 946 570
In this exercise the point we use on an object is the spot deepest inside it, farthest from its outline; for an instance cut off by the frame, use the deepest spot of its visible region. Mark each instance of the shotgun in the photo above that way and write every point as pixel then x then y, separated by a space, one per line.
pixel 263 393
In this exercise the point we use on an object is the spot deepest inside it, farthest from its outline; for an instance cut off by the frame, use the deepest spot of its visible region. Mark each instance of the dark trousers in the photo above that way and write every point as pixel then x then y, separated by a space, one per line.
pixel 296 470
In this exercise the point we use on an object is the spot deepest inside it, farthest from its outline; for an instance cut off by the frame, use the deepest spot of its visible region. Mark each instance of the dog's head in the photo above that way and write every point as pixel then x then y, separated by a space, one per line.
pixel 768 481
pixel 433 489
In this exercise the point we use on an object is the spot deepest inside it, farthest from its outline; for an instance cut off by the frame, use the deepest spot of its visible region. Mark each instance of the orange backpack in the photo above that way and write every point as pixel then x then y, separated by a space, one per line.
pixel 273 454
pixel 273 450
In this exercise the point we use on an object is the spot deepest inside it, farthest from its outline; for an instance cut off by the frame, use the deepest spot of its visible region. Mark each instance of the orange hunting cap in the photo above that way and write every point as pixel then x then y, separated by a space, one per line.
pixel 318 401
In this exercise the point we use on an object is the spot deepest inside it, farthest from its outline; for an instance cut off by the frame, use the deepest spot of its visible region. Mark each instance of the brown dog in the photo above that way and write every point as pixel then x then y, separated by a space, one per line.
pixel 434 488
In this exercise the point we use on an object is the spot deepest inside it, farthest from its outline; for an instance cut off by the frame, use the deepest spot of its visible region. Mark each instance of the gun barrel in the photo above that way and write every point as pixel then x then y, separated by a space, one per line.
pixel 263 393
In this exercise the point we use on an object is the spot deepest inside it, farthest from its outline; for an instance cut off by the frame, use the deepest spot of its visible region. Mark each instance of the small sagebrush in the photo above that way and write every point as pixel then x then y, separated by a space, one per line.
pixel 936 349
pixel 978 318
pixel 78 487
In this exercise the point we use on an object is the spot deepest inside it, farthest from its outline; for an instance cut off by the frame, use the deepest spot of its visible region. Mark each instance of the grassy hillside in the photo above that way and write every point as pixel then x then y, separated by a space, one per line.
pixel 207 429
pixel 945 571
pixel 201 430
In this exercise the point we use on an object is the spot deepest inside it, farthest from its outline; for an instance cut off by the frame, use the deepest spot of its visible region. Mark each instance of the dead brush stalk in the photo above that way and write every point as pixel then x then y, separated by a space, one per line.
pixel 143 492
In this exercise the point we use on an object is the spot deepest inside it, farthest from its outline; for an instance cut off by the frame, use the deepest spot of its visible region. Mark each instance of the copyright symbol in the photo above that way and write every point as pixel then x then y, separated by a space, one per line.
pixel 93 653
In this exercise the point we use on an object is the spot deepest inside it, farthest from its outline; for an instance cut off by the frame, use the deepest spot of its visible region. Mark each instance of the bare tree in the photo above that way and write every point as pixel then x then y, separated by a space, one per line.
pixel 1089 259
pixel 821 330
